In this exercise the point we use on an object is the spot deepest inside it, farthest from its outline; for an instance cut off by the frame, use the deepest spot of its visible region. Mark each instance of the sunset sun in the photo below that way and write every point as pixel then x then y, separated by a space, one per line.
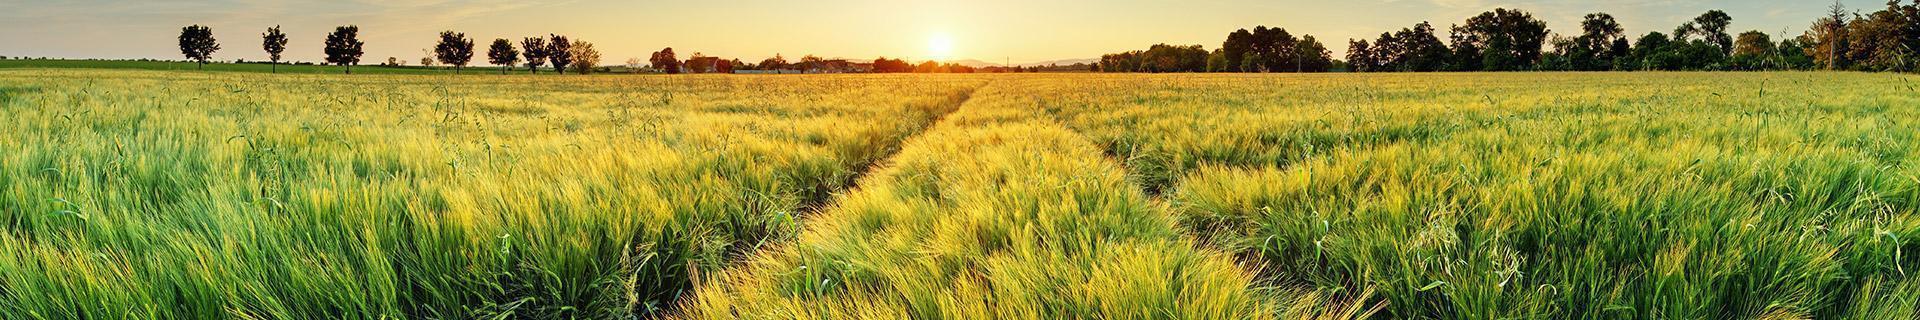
pixel 940 46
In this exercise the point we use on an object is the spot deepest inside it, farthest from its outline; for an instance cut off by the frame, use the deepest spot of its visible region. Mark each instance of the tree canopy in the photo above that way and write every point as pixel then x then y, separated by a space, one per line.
pixel 559 52
pixel 535 50
pixel 665 61
pixel 343 47
pixel 454 49
pixel 502 54
pixel 197 43
pixel 274 43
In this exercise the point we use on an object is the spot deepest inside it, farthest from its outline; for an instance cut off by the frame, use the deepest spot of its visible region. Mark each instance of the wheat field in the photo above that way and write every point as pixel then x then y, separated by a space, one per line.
pixel 198 195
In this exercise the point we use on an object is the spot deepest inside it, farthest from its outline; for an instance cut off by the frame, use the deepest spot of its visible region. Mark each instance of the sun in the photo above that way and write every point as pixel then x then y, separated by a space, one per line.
pixel 940 46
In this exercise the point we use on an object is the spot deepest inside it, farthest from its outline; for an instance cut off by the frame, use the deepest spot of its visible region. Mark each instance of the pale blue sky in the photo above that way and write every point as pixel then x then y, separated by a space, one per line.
pixel 991 30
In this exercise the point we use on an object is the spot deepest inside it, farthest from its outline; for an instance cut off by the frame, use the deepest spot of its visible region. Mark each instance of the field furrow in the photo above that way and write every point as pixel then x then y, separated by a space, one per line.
pixel 997 212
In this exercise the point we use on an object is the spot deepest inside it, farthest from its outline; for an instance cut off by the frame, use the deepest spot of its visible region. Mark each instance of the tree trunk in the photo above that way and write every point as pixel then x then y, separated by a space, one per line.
pixel 201 66
pixel 275 66
pixel 349 68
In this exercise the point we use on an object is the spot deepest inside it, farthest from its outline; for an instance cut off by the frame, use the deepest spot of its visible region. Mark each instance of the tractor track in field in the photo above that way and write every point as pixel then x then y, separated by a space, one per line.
pixel 852 182
pixel 814 205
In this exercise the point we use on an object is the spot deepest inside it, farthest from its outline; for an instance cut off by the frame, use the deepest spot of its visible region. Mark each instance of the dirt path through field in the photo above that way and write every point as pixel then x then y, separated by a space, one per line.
pixel 995 212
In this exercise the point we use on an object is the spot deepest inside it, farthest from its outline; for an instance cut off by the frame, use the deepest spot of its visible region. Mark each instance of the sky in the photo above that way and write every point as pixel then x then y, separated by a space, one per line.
pixel 1018 31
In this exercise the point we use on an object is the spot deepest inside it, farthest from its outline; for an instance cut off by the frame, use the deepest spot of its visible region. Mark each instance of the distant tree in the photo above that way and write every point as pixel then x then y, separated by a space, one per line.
pixel 665 61
pixel 1593 49
pixel 1464 51
pixel 1414 49
pixel 392 61
pixel 633 65
pixel 275 43
pixel 1793 55
pixel 1754 50
pixel 1312 56
pixel 957 68
pixel 1216 61
pixel 1700 55
pixel 1621 51
pixel 559 52
pixel 699 63
pixel 1556 59
pixel 454 49
pixel 1885 40
pixel 1657 51
pixel 778 62
pixel 1826 40
pixel 702 63
pixel 884 65
pixel 1421 50
pixel 1118 62
pixel 1509 40
pixel 426 61
pixel 502 54
pixel 1360 56
pixel 811 63
pixel 1710 27
pixel 1387 54
pixel 1697 44
pixel 344 47
pixel 735 64
pixel 196 42
pixel 1236 49
pixel 535 50
pixel 1272 50
pixel 585 57
pixel 1171 58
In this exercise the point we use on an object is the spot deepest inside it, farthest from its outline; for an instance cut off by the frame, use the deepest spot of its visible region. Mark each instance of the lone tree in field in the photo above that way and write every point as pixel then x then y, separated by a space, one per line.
pixel 559 52
pixel 584 57
pixel 196 42
pixel 536 53
pixel 502 54
pixel 275 43
pixel 454 49
pixel 665 61
pixel 344 47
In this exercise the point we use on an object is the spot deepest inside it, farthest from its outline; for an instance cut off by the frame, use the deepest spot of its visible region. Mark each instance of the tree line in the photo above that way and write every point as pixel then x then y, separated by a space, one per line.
pixel 344 48
pixel 1514 40
pixel 1262 49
